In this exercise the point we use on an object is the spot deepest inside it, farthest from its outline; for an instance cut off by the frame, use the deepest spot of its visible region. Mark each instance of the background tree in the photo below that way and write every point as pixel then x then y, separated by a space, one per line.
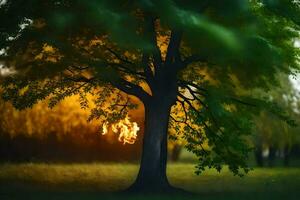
pixel 61 47
pixel 277 136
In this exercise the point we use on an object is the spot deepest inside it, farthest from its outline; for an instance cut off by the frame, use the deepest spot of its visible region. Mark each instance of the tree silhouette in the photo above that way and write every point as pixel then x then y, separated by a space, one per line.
pixel 205 56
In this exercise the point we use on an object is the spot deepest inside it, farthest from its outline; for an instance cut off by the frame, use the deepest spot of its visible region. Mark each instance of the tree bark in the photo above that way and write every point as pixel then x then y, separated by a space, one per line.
pixel 152 173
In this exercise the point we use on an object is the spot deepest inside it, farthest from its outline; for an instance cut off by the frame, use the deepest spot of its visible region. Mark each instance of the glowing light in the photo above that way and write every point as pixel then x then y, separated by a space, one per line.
pixel 126 129
pixel 105 128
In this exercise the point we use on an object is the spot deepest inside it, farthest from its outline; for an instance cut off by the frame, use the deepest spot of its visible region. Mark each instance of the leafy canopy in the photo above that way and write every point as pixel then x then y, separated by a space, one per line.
pixel 215 53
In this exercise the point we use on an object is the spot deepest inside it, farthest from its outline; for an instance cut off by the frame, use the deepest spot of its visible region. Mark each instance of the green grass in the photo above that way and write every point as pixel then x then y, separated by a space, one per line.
pixel 98 181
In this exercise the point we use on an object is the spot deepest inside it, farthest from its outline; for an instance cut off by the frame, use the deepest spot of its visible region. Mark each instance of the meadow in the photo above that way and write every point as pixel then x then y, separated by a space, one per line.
pixel 104 180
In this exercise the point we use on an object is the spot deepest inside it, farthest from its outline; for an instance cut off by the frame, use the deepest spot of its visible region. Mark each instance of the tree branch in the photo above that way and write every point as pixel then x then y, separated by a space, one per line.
pixel 193 129
pixel 147 69
pixel 187 84
pixel 151 35
pixel 80 79
pixel 242 102
pixel 118 56
pixel 173 53
pixel 127 70
pixel 132 89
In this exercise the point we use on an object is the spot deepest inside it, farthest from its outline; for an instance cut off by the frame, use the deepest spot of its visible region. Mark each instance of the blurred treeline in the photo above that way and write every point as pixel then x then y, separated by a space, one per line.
pixel 61 134
pixel 275 142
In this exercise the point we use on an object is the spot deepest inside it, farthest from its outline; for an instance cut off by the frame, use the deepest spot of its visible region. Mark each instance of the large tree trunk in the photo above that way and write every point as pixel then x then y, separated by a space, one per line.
pixel 152 174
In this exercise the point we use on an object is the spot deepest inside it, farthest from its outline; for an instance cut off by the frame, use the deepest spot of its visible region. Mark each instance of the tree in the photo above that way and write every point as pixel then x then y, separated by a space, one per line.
pixel 197 54
pixel 274 135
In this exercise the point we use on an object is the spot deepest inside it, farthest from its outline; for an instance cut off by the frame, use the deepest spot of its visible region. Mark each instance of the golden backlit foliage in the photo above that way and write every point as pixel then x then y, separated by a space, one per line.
pixel 40 120
pixel 67 117
pixel 48 53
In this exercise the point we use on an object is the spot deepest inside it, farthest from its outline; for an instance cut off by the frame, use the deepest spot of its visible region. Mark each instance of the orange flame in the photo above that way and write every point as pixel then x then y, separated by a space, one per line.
pixel 127 130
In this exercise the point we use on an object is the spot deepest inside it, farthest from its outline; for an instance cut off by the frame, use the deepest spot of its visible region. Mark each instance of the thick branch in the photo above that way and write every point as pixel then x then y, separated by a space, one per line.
pixel 121 84
pixel 173 54
pixel 132 89
pixel 147 69
pixel 151 35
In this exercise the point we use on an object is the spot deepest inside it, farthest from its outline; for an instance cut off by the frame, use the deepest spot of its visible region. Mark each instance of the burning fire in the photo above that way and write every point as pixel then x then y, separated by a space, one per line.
pixel 127 130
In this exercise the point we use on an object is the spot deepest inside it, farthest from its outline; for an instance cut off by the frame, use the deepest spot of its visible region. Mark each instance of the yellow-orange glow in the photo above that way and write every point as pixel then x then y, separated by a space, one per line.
pixel 127 130
pixel 105 128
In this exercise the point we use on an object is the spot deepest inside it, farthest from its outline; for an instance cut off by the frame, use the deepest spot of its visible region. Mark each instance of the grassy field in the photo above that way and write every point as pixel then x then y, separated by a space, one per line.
pixel 98 181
